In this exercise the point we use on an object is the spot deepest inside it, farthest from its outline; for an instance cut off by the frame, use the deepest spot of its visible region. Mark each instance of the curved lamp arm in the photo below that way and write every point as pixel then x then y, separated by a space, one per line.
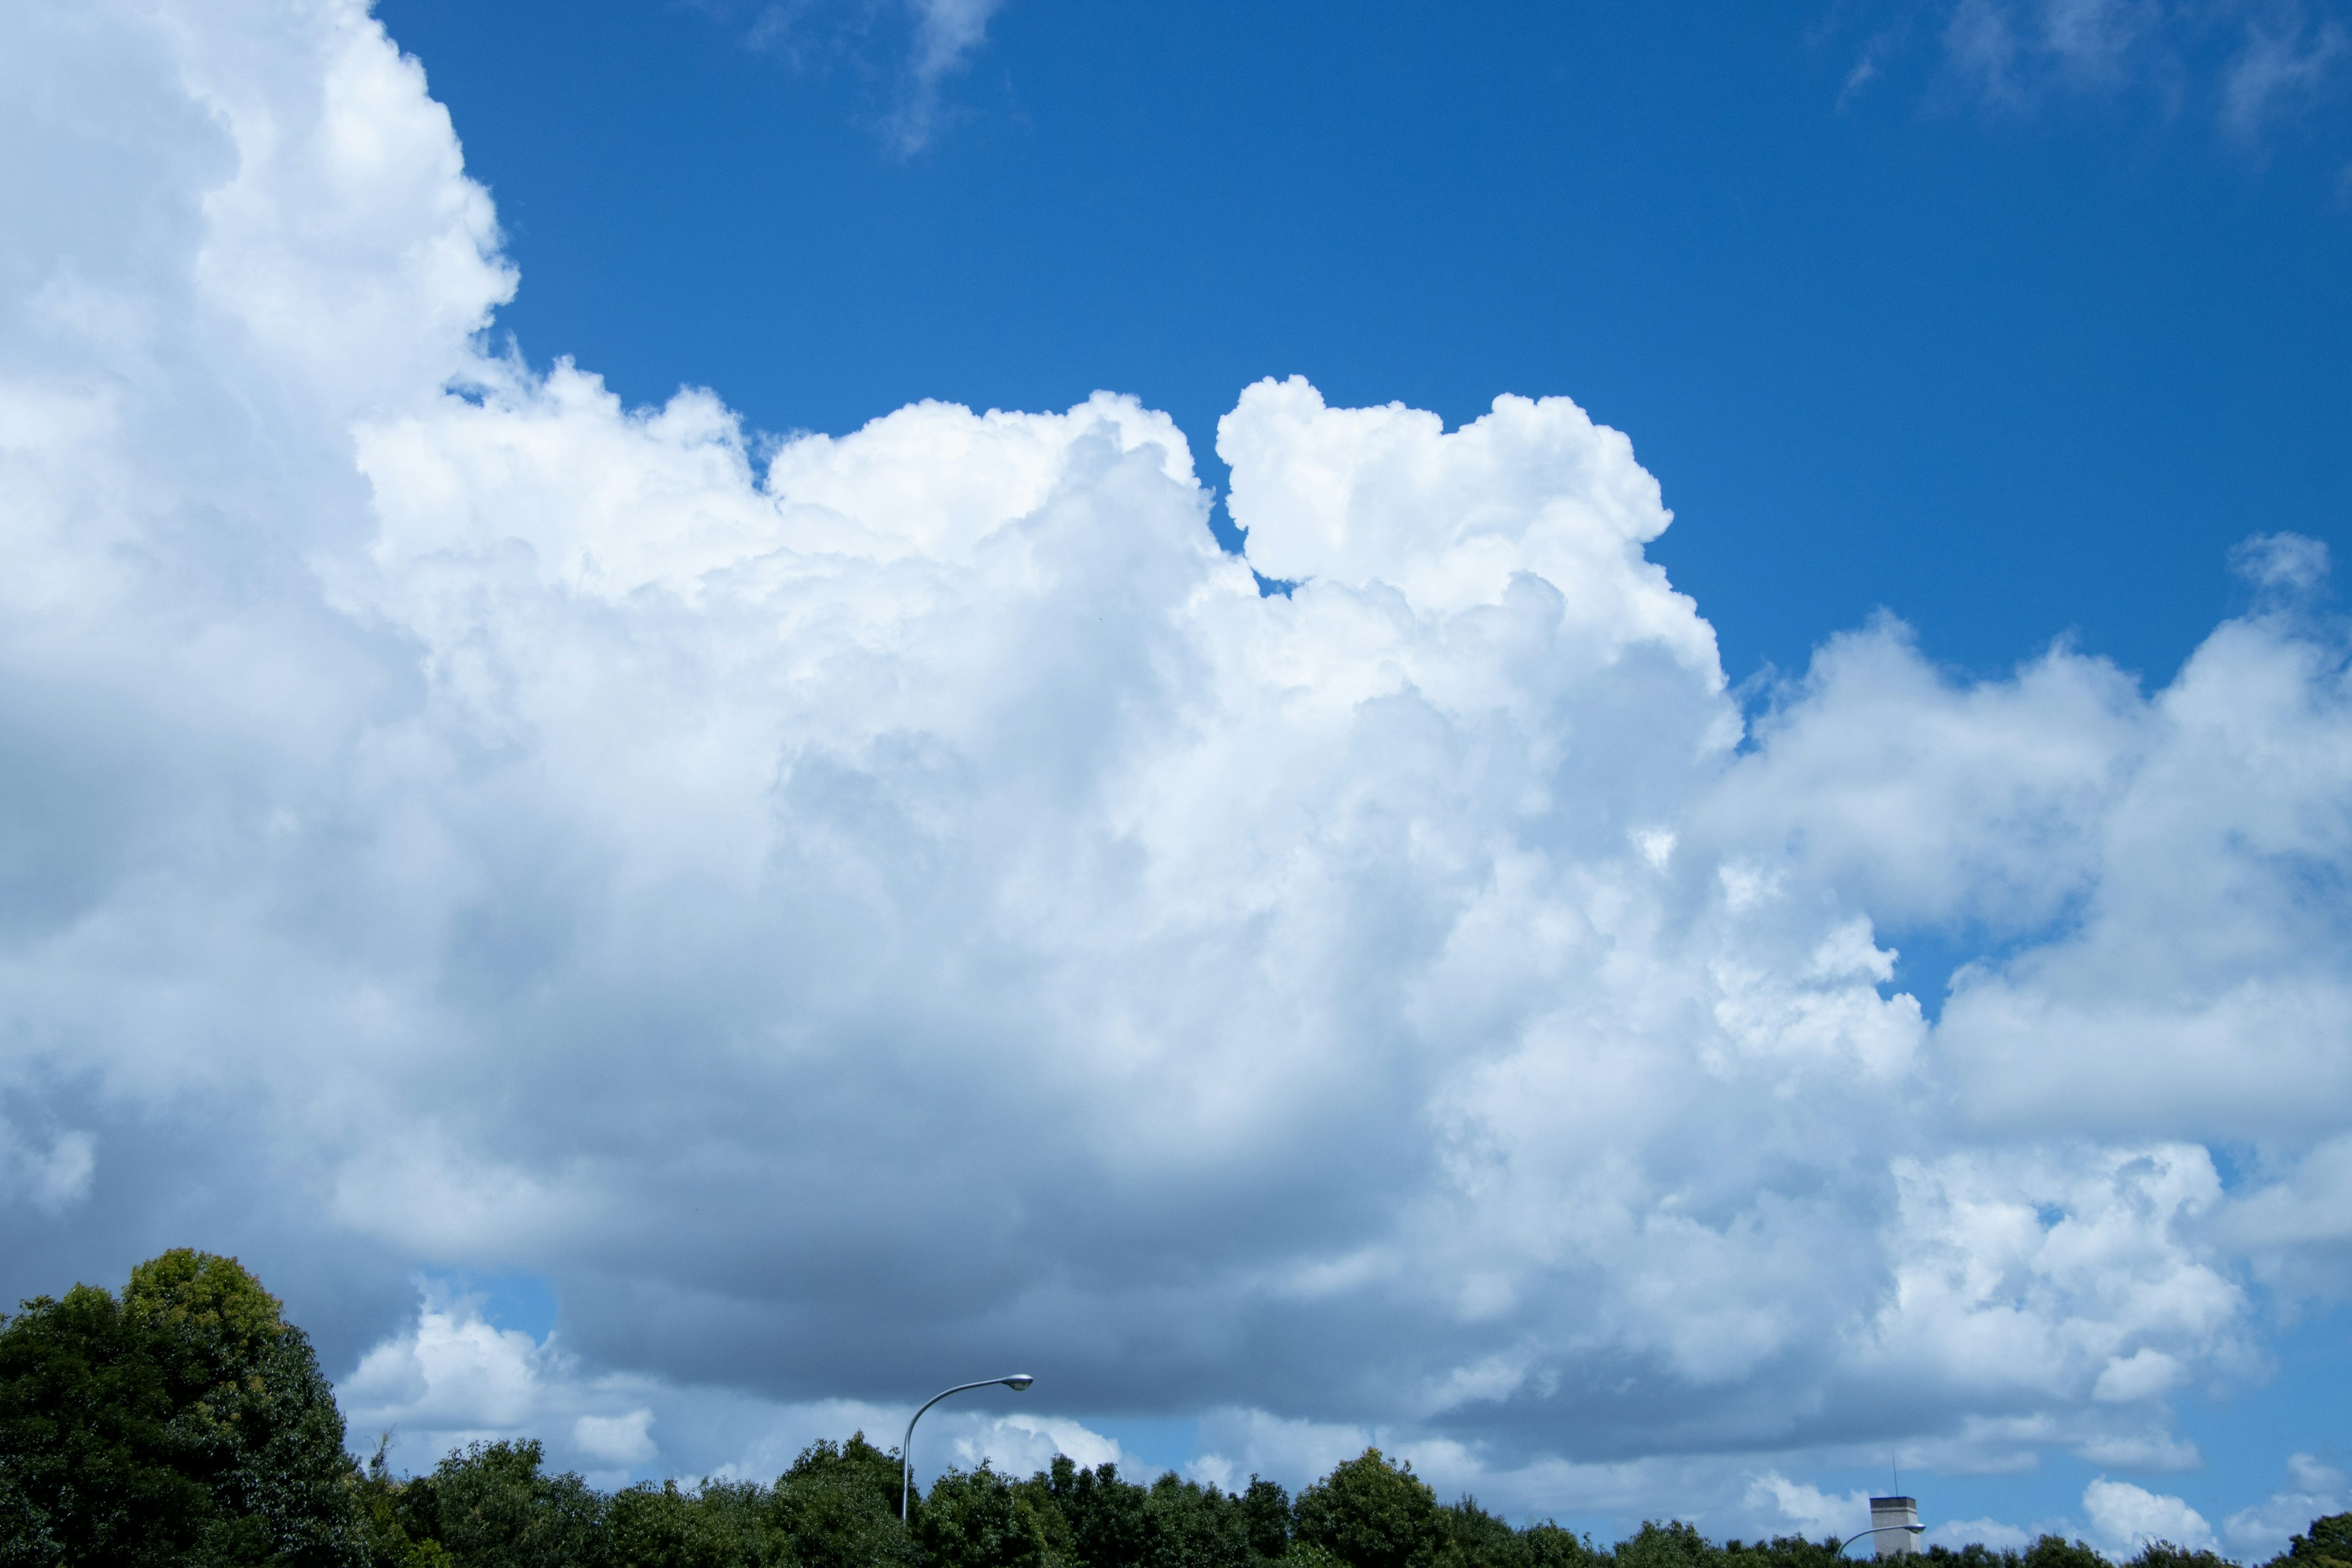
pixel 1017 1382
pixel 1849 1541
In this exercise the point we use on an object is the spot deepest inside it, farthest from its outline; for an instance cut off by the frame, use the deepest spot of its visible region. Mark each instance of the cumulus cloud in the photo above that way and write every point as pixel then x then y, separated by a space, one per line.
pixel 2124 1517
pixel 1808 1508
pixel 854 911
pixel 2313 1489
pixel 450 1377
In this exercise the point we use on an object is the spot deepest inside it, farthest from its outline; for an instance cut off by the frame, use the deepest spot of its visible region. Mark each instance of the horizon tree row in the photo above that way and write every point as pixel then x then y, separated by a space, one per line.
pixel 186 1423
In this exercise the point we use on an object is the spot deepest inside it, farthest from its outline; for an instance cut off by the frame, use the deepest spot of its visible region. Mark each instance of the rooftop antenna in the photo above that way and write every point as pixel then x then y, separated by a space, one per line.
pixel 1895 1528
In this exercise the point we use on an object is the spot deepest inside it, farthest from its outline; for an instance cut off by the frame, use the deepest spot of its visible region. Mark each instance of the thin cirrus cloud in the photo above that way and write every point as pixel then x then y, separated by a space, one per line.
pixel 916 48
pixel 2245 64
pixel 906 900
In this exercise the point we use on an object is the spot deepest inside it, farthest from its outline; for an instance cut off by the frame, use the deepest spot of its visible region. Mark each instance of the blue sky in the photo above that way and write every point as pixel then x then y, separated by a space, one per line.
pixel 2014 368
pixel 674 882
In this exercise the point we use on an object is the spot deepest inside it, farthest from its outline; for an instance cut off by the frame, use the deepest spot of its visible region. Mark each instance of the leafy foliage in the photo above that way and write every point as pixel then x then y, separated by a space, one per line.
pixel 1369 1513
pixel 839 1508
pixel 187 1423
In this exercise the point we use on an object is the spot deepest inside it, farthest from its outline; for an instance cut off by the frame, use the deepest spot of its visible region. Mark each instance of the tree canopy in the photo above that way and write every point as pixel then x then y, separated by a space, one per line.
pixel 185 1423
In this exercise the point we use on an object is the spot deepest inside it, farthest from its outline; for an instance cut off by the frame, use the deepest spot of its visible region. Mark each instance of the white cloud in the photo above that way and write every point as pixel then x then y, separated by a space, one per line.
pixel 625 1439
pixel 1809 1510
pixel 2249 65
pixel 2276 69
pixel 2125 1517
pixel 906 902
pixel 451 1376
pixel 54 1178
pixel 948 33
pixel 2313 1491
pixel 2298 1228
pixel 935 38
pixel 2289 562
pixel 2146 1374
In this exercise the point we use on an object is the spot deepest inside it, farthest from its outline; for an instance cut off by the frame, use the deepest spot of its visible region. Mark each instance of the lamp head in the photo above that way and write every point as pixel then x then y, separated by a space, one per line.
pixel 1017 1381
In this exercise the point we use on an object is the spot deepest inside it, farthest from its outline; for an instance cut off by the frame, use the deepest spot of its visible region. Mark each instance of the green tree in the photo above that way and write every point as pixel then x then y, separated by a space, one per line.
pixel 838 1505
pixel 1671 1545
pixel 1196 1526
pixel 491 1505
pixel 2165 1554
pixel 1546 1545
pixel 255 1417
pixel 1266 1518
pixel 2057 1552
pixel 2326 1544
pixel 388 1510
pixel 978 1519
pixel 1782 1551
pixel 1470 1537
pixel 1109 1519
pixel 87 1455
pixel 1975 1554
pixel 716 1526
pixel 1369 1513
pixel 187 1423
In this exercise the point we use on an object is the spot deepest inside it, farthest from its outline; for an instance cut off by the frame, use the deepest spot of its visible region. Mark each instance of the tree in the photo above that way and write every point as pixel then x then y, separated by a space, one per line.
pixel 1369 1513
pixel 1546 1545
pixel 258 1418
pixel 717 1526
pixel 1783 1551
pixel 1975 1554
pixel 2326 1544
pixel 2057 1552
pixel 1671 1545
pixel 2165 1554
pixel 87 1455
pixel 491 1505
pixel 978 1519
pixel 1470 1537
pixel 1266 1518
pixel 186 1423
pixel 839 1507
pixel 1196 1526
pixel 1109 1519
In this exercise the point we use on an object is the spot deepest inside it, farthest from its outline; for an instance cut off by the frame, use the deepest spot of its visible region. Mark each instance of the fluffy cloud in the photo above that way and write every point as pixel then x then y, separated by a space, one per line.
pixel 450 1377
pixel 2313 1489
pixel 856 911
pixel 2126 1518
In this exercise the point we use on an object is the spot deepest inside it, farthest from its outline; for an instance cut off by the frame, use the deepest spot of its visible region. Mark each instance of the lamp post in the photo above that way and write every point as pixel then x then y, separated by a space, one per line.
pixel 1017 1382
pixel 1881 1530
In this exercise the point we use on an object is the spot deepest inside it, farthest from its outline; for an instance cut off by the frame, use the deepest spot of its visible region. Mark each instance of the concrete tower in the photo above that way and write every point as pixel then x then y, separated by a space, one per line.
pixel 1897 1522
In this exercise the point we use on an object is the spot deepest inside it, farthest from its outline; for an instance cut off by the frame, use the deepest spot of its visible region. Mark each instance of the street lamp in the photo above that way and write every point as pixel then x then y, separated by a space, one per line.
pixel 1881 1530
pixel 1017 1382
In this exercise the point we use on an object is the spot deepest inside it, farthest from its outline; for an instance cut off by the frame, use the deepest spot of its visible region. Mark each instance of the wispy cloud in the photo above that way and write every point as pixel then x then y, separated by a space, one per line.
pixel 912 49
pixel 2250 63
pixel 947 34
pixel 2284 64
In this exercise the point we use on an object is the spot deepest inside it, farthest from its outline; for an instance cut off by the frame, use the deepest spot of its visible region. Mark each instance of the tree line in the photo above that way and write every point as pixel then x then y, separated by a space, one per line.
pixel 185 1423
